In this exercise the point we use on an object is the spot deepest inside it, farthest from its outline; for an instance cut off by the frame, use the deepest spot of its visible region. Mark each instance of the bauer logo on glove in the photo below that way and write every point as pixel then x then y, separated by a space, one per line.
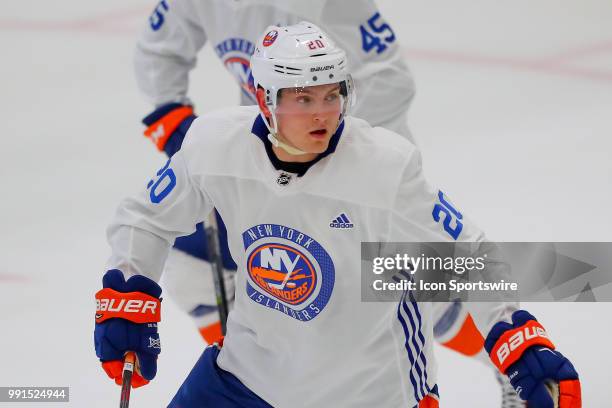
pixel 515 342
pixel 134 306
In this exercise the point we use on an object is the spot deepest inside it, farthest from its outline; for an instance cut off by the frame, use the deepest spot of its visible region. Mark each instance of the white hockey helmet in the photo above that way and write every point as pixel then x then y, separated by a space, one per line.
pixel 298 56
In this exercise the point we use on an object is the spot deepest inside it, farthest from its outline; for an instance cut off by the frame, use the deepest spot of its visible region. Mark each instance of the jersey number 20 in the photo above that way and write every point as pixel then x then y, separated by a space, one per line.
pixel 165 183
pixel 450 214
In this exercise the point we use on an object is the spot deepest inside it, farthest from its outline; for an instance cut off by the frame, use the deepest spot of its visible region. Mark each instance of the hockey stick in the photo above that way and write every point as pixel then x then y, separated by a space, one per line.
pixel 214 255
pixel 285 281
pixel 128 370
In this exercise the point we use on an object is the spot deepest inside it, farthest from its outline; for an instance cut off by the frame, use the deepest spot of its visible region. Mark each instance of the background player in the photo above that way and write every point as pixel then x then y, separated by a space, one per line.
pixel 306 121
pixel 167 52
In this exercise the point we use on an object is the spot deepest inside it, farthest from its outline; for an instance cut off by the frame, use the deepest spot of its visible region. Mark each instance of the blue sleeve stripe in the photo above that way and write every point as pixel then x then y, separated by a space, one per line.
pixel 414 348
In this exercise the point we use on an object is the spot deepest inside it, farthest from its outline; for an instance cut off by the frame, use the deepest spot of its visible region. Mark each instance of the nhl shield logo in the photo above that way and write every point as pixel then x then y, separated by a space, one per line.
pixel 283 179
pixel 287 271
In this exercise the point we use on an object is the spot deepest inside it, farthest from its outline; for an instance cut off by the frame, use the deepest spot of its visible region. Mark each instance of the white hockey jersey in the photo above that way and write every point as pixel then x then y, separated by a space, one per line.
pixel 299 334
pixel 167 49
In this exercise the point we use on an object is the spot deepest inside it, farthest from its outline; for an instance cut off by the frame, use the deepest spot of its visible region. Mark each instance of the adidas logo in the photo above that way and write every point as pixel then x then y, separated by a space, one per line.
pixel 341 221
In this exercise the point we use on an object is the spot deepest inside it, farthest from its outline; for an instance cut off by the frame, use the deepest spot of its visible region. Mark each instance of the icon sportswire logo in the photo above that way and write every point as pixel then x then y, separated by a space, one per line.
pixel 341 221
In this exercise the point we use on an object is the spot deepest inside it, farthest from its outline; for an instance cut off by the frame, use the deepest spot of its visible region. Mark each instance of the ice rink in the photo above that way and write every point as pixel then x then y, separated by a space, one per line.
pixel 513 114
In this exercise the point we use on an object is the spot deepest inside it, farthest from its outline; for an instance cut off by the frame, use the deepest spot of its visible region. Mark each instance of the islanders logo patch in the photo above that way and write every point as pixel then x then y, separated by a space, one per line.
pixel 241 70
pixel 287 271
pixel 235 54
pixel 270 38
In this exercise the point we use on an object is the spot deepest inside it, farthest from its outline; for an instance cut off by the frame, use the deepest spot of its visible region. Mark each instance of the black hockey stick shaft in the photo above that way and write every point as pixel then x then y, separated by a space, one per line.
pixel 214 255
pixel 128 369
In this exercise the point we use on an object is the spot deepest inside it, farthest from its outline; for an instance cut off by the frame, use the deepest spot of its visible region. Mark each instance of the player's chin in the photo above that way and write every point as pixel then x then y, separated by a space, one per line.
pixel 318 145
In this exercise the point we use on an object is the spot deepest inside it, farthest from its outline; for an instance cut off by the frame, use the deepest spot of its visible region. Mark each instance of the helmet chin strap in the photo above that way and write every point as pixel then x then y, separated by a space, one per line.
pixel 273 136
pixel 289 149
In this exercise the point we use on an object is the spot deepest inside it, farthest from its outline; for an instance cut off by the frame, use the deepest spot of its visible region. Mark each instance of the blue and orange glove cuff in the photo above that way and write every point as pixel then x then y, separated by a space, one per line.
pixel 162 123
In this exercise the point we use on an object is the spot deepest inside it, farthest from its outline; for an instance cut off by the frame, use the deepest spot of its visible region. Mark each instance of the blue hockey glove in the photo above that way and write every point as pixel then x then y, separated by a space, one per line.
pixel 127 313
pixel 524 353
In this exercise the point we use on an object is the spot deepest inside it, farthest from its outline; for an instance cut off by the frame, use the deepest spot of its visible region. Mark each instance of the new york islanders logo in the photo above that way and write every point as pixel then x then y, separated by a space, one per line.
pixel 235 53
pixel 287 271
pixel 270 38
pixel 241 69
pixel 283 272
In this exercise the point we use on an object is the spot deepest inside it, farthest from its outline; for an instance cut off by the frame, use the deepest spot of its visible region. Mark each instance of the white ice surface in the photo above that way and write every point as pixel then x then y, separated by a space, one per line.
pixel 513 114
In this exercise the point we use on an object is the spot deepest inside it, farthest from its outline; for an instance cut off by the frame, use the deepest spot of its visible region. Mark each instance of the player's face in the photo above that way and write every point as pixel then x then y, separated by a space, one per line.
pixel 307 119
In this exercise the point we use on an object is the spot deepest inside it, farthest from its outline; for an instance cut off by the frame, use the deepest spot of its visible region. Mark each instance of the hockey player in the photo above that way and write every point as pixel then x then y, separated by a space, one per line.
pixel 166 53
pixel 298 334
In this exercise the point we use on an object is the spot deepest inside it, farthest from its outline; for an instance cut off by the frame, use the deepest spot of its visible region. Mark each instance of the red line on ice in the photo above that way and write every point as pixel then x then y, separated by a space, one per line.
pixel 107 23
pixel 110 23
pixel 582 52
pixel 13 278
pixel 547 65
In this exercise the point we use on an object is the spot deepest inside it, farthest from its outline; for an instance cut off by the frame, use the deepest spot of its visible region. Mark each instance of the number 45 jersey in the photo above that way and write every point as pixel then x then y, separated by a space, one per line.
pixel 299 333
pixel 177 30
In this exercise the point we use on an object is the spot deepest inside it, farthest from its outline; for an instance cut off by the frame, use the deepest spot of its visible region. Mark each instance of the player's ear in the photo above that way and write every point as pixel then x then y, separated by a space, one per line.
pixel 260 94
